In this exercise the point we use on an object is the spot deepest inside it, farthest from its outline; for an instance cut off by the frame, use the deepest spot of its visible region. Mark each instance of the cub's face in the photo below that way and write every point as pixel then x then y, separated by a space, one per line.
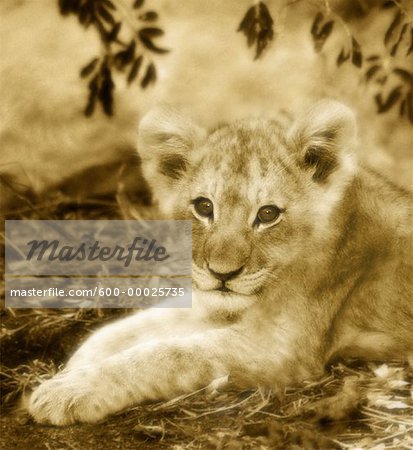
pixel 260 196
pixel 247 199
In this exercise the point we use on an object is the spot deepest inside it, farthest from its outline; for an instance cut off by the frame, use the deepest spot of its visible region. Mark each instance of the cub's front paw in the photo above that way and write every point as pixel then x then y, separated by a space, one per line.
pixel 70 397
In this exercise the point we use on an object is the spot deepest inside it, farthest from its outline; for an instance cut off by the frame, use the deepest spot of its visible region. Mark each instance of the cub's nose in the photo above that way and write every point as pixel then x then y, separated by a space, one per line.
pixel 226 276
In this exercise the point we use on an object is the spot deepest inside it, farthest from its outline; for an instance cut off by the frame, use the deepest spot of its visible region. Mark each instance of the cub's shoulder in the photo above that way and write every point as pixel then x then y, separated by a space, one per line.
pixel 392 205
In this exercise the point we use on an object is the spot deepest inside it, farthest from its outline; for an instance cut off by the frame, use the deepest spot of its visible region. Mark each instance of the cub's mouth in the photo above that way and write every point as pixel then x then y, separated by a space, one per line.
pixel 223 288
pixel 245 284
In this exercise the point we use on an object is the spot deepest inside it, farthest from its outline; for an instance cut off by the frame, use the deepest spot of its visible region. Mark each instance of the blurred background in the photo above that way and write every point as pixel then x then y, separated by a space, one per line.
pixel 77 75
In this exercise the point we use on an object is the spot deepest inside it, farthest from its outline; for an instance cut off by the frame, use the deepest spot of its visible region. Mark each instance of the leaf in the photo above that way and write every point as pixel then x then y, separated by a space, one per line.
pixel 395 22
pixel 324 33
pixel 248 21
pixel 320 34
pixel 393 50
pixel 383 371
pixel 84 15
pixel 151 32
pixel 105 93
pixel 93 91
pixel 257 26
pixel 138 3
pixel 264 37
pixel 130 51
pixel 385 401
pixel 371 72
pixel 109 4
pixel 409 106
pixel 266 30
pixel 146 40
pixel 395 404
pixel 382 80
pixel 316 23
pixel 217 385
pixel 150 431
pixel 124 57
pixel 379 101
pixel 113 34
pixel 342 57
pixel 327 29
pixel 107 16
pixel 393 97
pixel 398 384
pixel 90 106
pixel 149 77
pixel 405 75
pixel 402 108
pixel 148 16
pixel 410 49
pixel 252 36
pixel 101 29
pixel 356 55
pixel 89 68
pixel 135 69
pixel 265 15
pixel 65 7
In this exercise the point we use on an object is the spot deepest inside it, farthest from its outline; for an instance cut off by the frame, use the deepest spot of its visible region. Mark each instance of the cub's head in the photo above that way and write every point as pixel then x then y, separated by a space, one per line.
pixel 260 195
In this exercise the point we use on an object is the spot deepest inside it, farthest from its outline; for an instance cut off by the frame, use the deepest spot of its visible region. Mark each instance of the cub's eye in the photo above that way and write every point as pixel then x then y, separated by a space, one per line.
pixel 203 207
pixel 268 214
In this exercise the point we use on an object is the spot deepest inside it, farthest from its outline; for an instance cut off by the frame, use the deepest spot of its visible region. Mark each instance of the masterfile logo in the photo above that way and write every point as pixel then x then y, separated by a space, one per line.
pixel 140 249
pixel 99 263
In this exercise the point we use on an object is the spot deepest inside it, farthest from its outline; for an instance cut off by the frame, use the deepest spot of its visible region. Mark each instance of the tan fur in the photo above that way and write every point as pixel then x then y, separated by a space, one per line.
pixel 330 278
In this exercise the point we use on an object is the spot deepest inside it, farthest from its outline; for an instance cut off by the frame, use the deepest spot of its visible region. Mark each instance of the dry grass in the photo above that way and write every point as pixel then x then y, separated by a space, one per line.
pixel 366 406
pixel 363 406
pixel 339 411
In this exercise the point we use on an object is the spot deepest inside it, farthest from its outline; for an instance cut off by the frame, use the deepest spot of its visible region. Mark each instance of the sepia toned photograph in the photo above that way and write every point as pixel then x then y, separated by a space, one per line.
pixel 207 225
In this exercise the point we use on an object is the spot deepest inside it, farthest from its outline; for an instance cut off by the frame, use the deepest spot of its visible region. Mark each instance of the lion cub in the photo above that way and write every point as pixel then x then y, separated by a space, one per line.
pixel 299 256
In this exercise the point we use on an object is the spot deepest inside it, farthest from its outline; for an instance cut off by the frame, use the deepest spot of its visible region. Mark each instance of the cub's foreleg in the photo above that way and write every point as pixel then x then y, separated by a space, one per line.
pixel 150 371
pixel 144 326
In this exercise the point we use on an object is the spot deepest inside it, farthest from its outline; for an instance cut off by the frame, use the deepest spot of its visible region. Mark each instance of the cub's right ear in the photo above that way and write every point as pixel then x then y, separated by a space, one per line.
pixel 324 140
pixel 165 141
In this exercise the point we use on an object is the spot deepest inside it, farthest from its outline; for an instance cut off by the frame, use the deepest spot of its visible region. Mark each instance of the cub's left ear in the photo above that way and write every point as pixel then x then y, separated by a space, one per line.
pixel 324 139
pixel 167 141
